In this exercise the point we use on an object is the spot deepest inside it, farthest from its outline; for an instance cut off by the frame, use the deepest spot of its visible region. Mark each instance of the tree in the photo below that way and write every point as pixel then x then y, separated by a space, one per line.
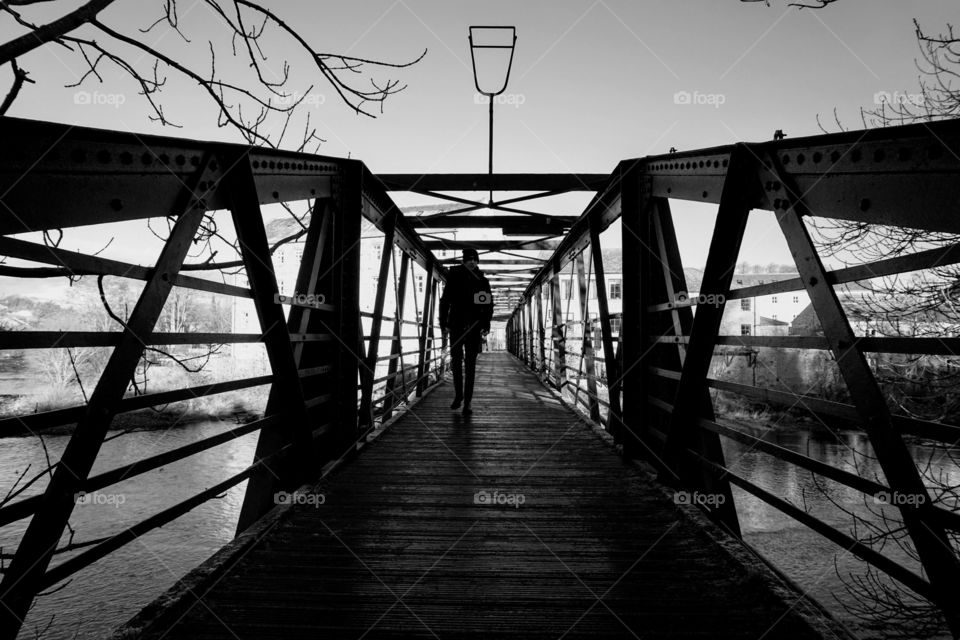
pixel 246 94
pixel 234 68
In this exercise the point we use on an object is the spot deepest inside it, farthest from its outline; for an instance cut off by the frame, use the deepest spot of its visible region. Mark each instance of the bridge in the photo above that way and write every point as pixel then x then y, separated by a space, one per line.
pixel 550 512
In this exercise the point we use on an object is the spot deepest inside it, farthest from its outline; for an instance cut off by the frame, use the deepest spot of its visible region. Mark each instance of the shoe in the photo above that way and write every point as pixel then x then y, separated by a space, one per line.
pixel 456 403
pixel 467 410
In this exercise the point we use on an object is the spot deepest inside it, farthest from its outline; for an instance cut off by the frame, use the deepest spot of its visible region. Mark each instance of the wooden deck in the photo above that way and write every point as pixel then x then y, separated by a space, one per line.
pixel 401 548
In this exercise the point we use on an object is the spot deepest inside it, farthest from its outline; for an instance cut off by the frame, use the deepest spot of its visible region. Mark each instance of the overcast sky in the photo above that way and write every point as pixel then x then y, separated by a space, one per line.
pixel 592 82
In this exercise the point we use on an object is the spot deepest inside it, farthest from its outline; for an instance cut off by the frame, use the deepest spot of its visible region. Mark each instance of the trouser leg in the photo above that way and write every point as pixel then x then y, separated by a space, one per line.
pixel 456 362
pixel 471 348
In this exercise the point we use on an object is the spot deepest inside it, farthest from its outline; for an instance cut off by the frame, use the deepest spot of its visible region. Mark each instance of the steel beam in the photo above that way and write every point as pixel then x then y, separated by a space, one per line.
pixel 932 544
pixel 499 181
pixel 24 575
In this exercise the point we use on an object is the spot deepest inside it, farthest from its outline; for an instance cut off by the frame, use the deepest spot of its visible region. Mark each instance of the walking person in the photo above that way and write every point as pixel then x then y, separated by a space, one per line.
pixel 466 308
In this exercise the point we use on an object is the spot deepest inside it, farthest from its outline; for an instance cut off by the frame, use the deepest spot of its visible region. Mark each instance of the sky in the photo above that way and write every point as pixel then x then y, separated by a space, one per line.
pixel 592 83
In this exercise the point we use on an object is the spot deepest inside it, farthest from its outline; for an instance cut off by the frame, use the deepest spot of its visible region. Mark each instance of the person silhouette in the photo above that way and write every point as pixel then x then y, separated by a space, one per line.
pixel 466 308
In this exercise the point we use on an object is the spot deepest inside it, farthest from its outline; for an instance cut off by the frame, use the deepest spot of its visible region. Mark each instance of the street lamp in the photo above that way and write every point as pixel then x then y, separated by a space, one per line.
pixel 496 40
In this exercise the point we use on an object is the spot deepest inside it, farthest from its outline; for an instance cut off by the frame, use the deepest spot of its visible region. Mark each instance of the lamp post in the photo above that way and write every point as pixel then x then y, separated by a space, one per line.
pixel 511 32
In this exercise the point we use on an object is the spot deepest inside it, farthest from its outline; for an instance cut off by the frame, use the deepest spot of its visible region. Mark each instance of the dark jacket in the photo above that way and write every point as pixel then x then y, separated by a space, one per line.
pixel 466 299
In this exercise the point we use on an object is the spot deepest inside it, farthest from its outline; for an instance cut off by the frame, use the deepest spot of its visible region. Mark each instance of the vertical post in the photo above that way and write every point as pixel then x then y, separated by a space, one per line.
pixel 442 365
pixel 369 369
pixel 706 443
pixel 342 279
pixel 735 203
pixel 586 348
pixel 634 196
pixel 396 348
pixel 24 575
pixel 609 358
pixel 521 318
pixel 264 482
pixel 541 332
pixel 426 320
pixel 532 336
pixel 559 348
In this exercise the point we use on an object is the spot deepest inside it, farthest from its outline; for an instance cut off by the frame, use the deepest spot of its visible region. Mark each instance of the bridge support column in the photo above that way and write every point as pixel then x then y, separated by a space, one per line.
pixel 369 368
pixel 426 332
pixel 680 323
pixel 558 330
pixel 588 367
pixel 396 347
pixel 611 368
pixel 541 334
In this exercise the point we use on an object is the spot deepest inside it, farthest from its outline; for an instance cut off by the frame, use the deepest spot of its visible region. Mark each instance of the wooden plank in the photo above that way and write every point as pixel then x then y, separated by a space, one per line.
pixel 403 545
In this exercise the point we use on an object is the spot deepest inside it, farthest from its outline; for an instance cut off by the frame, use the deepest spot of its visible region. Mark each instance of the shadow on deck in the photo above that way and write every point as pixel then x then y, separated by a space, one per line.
pixel 400 548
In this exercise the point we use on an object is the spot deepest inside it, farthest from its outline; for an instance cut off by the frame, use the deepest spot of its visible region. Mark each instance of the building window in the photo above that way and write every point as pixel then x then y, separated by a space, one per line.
pixel 745 304
pixel 614 325
pixel 419 284
pixel 616 290
pixel 796 299
pixel 774 316
pixel 744 329
pixel 774 300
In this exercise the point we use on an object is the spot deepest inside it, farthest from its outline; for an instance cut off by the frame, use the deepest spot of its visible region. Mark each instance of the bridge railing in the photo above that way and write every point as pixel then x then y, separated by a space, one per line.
pixel 328 384
pixel 658 396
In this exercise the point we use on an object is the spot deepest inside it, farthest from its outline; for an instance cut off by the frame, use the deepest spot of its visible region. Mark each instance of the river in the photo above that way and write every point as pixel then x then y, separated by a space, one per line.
pixel 113 589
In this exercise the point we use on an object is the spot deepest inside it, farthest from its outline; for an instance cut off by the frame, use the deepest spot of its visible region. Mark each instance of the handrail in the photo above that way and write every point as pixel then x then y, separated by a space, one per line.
pixel 659 362
pixel 155 176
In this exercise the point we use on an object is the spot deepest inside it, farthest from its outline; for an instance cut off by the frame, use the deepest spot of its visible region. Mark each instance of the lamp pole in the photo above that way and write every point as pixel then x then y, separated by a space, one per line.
pixel 491 94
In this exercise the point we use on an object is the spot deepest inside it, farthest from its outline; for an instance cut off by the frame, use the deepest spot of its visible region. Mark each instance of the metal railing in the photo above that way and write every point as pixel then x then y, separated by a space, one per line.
pixel 324 395
pixel 657 379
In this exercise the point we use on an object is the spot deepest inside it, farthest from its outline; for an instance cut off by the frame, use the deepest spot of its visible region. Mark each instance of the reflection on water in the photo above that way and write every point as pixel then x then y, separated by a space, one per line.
pixel 113 589
pixel 809 559
pixel 109 592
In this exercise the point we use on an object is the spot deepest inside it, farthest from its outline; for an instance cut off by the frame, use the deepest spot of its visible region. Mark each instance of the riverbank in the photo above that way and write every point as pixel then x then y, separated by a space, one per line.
pixel 237 410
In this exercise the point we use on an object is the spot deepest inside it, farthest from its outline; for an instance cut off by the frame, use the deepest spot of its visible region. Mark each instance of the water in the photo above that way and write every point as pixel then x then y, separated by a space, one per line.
pixel 810 560
pixel 115 588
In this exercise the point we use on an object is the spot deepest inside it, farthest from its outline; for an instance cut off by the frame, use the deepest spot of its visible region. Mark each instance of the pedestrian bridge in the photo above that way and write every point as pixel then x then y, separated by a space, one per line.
pixel 558 508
